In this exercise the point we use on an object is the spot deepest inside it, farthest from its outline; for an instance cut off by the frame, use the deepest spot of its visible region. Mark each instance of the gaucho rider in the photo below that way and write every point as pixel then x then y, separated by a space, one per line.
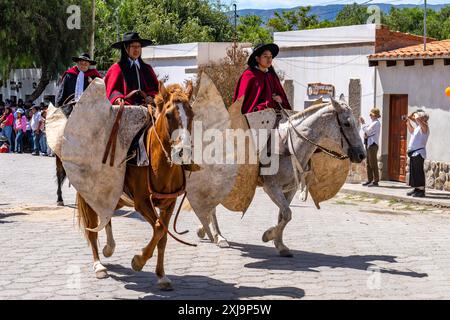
pixel 132 82
pixel 261 88
pixel 74 81
pixel 259 83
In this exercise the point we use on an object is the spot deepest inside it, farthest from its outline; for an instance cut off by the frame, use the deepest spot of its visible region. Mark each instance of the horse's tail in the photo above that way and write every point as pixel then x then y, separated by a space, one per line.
pixel 125 201
pixel 87 218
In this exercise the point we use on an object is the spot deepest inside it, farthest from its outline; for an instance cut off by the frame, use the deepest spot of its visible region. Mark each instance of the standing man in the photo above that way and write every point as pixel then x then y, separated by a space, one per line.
pixel 75 80
pixel 35 128
pixel 371 140
pixel 131 81
pixel 417 151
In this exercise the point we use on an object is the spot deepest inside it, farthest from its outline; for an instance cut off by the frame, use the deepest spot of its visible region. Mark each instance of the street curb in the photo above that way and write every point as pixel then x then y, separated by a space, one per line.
pixel 419 201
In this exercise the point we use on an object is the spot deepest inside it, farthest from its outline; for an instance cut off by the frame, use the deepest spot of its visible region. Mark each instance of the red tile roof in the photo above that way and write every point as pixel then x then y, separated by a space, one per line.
pixel 435 50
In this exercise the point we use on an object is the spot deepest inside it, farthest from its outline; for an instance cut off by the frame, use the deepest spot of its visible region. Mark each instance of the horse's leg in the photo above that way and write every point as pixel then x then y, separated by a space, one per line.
pixel 278 241
pixel 89 219
pixel 60 176
pixel 164 282
pixel 205 219
pixel 110 246
pixel 145 209
pixel 275 193
pixel 218 238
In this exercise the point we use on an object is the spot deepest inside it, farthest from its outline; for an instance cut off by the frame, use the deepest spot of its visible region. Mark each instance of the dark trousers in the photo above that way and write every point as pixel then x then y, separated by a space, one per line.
pixel 416 172
pixel 372 163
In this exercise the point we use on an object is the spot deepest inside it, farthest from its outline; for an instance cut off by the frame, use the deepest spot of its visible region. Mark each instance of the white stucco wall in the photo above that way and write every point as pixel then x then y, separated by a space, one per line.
pixel 425 87
pixel 174 69
pixel 27 77
pixel 328 65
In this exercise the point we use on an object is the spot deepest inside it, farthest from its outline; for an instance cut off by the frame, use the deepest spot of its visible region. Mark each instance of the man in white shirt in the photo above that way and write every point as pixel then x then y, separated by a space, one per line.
pixel 35 128
pixel 371 140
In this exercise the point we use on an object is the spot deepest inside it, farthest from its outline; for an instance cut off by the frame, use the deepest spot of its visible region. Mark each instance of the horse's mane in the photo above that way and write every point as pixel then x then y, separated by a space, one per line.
pixel 177 93
pixel 310 110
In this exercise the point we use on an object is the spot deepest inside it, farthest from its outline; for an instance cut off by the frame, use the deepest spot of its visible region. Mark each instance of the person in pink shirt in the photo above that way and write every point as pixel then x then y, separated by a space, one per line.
pixel 20 127
pixel 6 123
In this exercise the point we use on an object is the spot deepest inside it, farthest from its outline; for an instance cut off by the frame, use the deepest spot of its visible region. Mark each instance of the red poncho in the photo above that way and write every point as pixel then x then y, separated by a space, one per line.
pixel 258 87
pixel 92 73
pixel 116 86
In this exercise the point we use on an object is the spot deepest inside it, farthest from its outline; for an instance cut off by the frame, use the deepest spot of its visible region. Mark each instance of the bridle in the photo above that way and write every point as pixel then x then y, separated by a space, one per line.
pixel 327 151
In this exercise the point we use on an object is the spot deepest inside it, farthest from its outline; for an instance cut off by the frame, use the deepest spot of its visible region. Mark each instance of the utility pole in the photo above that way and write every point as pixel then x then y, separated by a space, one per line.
pixel 235 33
pixel 92 39
pixel 425 26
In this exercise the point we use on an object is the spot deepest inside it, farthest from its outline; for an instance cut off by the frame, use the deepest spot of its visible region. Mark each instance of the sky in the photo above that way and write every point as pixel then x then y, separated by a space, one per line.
pixel 270 4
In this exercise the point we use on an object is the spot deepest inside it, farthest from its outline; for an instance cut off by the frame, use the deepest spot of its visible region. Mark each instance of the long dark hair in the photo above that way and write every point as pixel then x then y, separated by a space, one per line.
pixel 8 109
pixel 123 62
pixel 253 63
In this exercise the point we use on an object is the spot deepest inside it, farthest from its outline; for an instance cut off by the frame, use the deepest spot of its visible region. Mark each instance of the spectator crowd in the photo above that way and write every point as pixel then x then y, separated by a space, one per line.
pixel 22 128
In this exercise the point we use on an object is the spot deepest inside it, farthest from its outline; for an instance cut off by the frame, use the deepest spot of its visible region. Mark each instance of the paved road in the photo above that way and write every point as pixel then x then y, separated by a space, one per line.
pixel 353 248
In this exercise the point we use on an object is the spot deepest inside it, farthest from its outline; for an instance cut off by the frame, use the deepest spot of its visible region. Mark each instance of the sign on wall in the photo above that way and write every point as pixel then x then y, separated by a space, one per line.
pixel 320 89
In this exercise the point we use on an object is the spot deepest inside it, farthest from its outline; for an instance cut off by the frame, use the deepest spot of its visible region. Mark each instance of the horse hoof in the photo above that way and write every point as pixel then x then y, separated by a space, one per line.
pixel 201 232
pixel 165 285
pixel 60 203
pixel 101 274
pixel 223 244
pixel 108 251
pixel 268 235
pixel 136 264
pixel 286 253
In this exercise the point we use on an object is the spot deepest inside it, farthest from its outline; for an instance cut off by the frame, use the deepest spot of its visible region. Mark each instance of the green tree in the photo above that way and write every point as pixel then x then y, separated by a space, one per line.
pixel 162 21
pixel 251 29
pixel 298 19
pixel 353 14
pixel 34 34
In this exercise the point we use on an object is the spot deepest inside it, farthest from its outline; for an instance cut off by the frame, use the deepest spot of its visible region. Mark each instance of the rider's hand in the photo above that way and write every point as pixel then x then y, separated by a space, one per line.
pixel 277 98
pixel 149 100
pixel 120 102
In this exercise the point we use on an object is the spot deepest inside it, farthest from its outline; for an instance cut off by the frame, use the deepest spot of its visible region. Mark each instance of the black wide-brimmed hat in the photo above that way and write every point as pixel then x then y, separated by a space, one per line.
pixel 259 49
pixel 84 57
pixel 129 37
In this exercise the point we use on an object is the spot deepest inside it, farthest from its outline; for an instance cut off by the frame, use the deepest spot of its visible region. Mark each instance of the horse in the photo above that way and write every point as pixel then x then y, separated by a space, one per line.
pixel 155 186
pixel 334 121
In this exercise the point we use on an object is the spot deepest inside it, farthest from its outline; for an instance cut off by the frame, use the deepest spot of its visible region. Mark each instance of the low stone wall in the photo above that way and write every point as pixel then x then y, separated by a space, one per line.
pixel 437 174
pixel 358 172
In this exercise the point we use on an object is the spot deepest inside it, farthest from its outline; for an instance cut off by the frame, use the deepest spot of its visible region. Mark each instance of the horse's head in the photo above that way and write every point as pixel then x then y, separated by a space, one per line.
pixel 348 130
pixel 173 104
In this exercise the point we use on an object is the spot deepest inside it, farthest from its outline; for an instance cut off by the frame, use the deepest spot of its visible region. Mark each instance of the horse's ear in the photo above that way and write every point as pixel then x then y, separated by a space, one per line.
pixel 189 89
pixel 163 91
pixel 342 98
pixel 336 105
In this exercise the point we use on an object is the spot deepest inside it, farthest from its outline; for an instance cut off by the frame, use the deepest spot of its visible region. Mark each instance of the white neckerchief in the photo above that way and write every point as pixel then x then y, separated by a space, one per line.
pixel 136 62
pixel 79 87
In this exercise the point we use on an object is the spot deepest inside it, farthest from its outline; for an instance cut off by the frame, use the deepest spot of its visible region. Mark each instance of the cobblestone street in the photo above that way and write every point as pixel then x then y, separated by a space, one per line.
pixel 353 248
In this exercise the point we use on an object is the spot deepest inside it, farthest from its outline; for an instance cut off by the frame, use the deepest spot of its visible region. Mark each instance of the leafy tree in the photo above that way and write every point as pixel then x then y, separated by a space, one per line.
pixel 353 14
pixel 298 19
pixel 34 34
pixel 162 21
pixel 250 29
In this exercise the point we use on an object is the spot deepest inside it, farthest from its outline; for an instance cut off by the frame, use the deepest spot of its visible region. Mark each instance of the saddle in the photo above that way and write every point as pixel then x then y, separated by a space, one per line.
pixel 137 151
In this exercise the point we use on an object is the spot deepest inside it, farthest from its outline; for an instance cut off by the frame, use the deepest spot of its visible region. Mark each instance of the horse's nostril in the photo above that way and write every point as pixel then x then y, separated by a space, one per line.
pixel 361 156
pixel 180 153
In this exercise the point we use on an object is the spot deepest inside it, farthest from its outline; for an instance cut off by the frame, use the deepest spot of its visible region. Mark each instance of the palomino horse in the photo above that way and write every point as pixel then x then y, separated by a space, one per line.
pixel 333 122
pixel 156 186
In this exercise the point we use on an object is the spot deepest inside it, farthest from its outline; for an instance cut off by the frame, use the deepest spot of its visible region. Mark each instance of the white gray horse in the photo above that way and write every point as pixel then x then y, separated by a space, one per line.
pixel 302 136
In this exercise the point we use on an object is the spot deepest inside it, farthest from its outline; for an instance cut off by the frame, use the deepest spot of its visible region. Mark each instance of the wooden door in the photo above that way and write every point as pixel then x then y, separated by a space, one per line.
pixel 398 108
